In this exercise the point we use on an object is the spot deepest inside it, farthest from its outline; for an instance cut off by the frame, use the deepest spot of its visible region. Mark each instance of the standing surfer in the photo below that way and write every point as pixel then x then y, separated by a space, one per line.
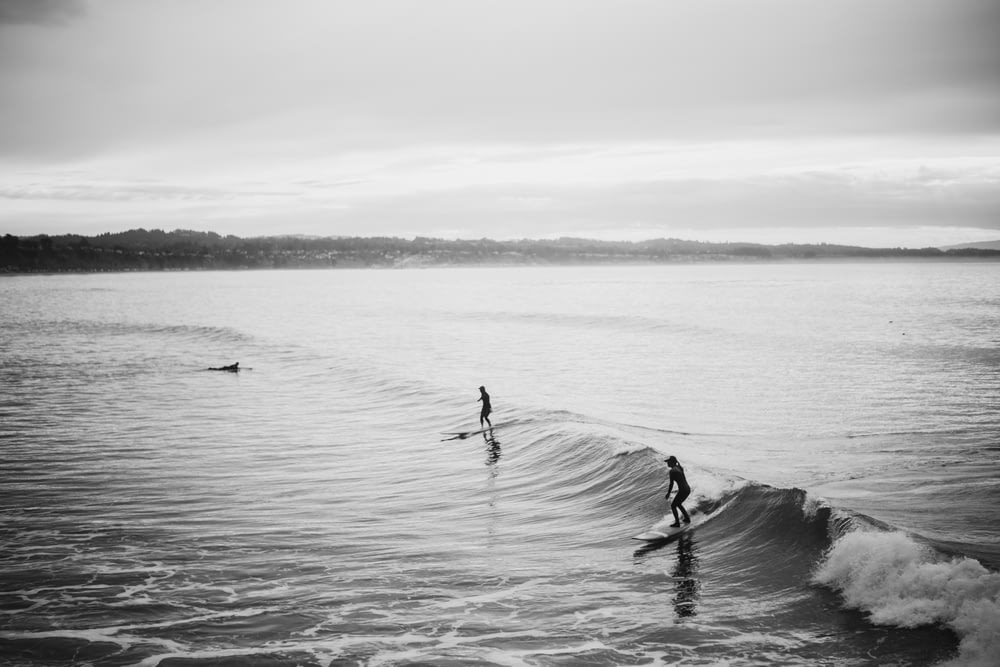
pixel 487 407
pixel 683 491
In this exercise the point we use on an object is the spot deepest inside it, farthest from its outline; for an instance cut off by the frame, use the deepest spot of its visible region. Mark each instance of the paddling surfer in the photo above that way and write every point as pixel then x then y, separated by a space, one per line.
pixel 232 368
pixel 683 491
pixel 484 415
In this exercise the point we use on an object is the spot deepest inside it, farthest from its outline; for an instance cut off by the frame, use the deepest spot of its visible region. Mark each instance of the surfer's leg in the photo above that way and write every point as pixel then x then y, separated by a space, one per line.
pixel 679 504
pixel 677 519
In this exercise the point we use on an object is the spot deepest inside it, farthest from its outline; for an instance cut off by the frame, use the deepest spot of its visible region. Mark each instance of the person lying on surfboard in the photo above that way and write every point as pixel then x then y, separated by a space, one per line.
pixel 683 491
pixel 232 368
pixel 487 407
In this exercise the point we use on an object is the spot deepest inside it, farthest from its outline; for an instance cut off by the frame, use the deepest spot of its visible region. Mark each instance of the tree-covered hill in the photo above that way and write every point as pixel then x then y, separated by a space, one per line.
pixel 156 250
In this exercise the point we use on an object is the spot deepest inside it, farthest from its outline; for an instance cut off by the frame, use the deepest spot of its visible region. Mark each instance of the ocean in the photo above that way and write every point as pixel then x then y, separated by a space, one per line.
pixel 838 423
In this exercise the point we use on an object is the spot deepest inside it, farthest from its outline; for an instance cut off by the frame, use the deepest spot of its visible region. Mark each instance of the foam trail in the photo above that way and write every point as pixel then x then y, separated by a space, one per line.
pixel 902 583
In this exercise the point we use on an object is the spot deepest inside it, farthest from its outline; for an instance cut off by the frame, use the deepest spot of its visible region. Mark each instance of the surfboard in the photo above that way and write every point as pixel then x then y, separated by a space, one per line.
pixel 465 434
pixel 663 530
pixel 665 534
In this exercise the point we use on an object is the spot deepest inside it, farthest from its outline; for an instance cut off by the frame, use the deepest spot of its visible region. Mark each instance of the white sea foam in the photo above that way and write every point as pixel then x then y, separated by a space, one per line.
pixel 900 582
pixel 812 505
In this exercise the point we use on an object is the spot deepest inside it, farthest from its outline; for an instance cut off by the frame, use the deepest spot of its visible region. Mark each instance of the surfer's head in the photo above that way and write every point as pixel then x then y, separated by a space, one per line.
pixel 672 460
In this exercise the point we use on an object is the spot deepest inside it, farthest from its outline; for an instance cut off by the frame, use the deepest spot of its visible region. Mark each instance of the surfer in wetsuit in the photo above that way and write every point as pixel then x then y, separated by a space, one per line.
pixel 232 368
pixel 487 407
pixel 683 491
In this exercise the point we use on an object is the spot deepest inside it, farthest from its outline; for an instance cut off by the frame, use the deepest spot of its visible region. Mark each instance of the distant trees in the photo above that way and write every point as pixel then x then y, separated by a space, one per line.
pixel 156 250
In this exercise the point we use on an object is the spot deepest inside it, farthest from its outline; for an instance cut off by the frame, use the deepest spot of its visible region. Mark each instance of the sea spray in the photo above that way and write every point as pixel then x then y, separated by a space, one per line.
pixel 902 583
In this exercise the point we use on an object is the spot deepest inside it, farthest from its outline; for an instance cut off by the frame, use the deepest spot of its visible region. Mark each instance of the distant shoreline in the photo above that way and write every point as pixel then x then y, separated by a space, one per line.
pixel 140 250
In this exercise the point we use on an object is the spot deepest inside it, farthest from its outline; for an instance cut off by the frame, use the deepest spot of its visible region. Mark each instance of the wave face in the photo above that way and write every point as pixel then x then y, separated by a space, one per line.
pixel 313 509
pixel 519 555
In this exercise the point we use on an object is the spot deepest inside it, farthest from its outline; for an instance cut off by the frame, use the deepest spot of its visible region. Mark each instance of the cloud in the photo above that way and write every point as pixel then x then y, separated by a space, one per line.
pixel 369 74
pixel 41 12
pixel 113 193
pixel 527 191
pixel 803 202
pixel 407 117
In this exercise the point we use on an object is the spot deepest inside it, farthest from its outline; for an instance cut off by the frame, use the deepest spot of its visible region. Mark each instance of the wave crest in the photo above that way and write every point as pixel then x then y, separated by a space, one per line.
pixel 900 582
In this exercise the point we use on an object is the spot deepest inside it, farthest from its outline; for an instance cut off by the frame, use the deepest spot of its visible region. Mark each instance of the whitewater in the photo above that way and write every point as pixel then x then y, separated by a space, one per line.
pixel 838 423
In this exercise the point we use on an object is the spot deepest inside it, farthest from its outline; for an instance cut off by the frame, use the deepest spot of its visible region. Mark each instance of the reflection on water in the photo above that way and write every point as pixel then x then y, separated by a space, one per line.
pixel 687 587
pixel 492 462
pixel 492 452
pixel 686 584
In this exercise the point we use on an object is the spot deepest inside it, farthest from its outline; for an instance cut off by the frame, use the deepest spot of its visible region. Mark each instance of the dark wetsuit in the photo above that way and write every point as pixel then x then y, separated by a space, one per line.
pixel 232 368
pixel 487 407
pixel 683 490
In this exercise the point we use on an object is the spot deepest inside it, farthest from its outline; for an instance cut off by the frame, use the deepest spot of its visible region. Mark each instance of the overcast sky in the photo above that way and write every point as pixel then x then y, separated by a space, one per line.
pixel 873 122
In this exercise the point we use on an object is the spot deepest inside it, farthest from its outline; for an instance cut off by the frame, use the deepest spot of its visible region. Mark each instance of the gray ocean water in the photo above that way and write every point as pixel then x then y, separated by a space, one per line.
pixel 838 422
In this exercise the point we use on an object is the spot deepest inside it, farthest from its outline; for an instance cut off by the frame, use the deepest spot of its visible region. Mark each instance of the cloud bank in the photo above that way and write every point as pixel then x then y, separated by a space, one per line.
pixel 502 119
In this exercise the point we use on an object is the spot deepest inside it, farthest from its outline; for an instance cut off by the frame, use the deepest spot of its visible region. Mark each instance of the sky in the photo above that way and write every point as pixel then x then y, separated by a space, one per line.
pixel 866 122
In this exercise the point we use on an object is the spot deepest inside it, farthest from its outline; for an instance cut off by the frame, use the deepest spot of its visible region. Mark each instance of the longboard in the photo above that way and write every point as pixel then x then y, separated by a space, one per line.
pixel 665 534
pixel 461 435
pixel 663 531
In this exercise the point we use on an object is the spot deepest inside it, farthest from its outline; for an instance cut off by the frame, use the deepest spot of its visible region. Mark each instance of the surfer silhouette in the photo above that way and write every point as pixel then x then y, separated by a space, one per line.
pixel 232 368
pixel 487 407
pixel 683 491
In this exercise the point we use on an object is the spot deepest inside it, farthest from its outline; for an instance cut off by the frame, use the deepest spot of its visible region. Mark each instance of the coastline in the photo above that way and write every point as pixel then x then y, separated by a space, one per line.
pixel 141 250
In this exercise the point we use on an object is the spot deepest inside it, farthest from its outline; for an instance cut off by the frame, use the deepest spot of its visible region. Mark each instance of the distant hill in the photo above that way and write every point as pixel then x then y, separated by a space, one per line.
pixel 187 250
pixel 981 245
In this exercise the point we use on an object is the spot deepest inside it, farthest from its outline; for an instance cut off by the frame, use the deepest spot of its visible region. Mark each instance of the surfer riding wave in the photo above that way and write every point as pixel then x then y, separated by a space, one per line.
pixel 683 491
pixel 484 415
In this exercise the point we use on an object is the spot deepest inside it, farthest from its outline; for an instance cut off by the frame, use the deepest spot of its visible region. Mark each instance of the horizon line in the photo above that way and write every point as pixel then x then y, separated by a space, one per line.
pixel 510 240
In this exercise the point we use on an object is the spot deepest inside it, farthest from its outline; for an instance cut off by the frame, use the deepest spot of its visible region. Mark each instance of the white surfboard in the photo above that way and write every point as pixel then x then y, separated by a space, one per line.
pixel 664 531
pixel 665 534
